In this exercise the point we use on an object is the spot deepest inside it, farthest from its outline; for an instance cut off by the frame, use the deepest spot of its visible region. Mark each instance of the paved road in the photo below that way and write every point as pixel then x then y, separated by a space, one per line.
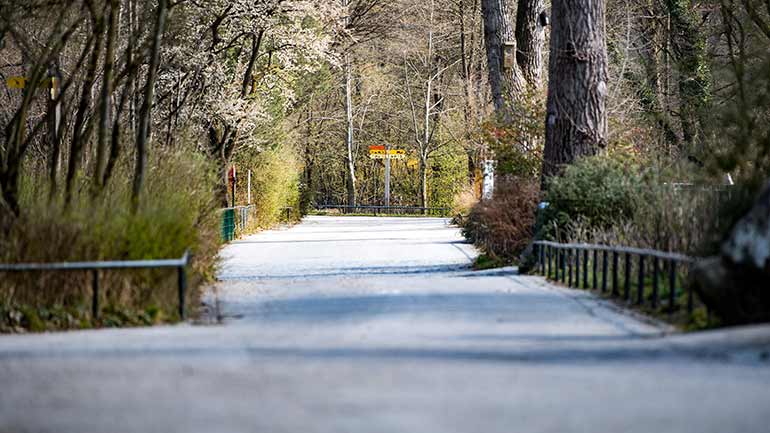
pixel 377 325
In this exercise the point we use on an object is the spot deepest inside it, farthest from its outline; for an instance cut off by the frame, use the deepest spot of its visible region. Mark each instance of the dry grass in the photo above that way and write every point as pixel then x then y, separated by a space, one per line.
pixel 170 220
pixel 504 226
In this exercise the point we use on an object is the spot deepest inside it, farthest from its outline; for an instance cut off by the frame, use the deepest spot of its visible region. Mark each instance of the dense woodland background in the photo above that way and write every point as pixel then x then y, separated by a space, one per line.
pixel 641 123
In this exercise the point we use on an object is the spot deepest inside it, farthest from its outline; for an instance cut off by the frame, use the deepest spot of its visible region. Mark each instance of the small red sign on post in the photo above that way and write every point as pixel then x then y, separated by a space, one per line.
pixel 231 174
pixel 232 178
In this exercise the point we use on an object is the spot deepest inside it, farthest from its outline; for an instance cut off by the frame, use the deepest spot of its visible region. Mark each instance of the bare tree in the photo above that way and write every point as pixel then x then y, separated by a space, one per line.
pixel 425 93
pixel 365 20
pixel 144 114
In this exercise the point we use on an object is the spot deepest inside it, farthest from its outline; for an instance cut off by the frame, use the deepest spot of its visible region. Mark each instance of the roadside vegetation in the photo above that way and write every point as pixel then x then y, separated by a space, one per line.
pixel 672 158
pixel 120 122
pixel 627 123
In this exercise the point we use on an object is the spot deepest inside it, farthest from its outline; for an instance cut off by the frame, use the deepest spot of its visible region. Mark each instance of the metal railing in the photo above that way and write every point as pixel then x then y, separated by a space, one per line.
pixel 388 210
pixel 95 267
pixel 564 263
pixel 234 219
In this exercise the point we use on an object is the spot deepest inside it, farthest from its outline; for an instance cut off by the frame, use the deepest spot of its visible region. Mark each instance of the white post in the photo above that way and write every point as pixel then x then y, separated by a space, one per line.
pixel 249 189
pixel 488 187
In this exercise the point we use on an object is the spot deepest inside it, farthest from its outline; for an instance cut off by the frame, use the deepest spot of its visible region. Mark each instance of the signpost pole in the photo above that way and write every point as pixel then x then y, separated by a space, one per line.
pixel 249 187
pixel 232 183
pixel 387 177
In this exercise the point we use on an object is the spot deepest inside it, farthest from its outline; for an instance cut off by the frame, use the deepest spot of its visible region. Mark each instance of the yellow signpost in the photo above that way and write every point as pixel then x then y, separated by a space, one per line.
pixel 376 153
pixel 383 152
pixel 16 82
pixel 21 82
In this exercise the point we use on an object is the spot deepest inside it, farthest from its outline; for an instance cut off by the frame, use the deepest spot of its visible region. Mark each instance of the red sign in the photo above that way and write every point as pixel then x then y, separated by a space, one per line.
pixel 373 148
pixel 231 174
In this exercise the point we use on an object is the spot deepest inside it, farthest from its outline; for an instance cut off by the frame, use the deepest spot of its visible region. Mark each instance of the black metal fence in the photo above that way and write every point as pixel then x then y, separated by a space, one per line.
pixel 95 267
pixel 388 210
pixel 568 263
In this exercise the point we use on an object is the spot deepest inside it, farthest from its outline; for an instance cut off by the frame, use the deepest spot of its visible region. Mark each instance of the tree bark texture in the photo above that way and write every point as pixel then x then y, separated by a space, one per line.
pixel 576 120
pixel 530 39
pixel 498 32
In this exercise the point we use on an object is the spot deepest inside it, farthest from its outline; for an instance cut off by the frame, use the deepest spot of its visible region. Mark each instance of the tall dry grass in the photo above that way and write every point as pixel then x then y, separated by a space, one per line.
pixel 177 212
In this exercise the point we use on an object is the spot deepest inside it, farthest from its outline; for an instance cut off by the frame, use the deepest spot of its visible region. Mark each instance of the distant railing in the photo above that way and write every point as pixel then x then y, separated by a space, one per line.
pixel 388 210
pixel 558 261
pixel 94 267
pixel 234 218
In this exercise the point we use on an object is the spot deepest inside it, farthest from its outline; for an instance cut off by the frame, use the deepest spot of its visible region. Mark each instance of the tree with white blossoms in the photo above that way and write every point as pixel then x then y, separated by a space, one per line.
pixel 238 68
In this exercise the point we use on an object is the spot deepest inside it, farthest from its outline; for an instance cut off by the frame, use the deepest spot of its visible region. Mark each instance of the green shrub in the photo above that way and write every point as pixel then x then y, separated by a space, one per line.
pixel 274 184
pixel 447 174
pixel 599 192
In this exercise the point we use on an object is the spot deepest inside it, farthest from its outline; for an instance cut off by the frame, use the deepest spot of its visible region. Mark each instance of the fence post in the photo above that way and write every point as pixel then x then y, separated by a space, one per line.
pixel 615 285
pixel 95 300
pixel 577 268
pixel 249 189
pixel 585 269
pixel 551 266
pixel 594 266
pixel 569 267
pixel 640 290
pixel 182 281
pixel 604 271
pixel 655 271
pixel 627 278
pixel 556 263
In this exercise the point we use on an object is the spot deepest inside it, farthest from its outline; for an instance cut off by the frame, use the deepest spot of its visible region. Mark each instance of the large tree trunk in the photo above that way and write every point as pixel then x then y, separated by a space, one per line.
pixel 498 32
pixel 576 123
pixel 735 284
pixel 530 39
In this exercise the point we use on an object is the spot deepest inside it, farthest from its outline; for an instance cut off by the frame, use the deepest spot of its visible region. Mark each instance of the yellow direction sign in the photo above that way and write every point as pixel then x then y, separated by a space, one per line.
pixel 376 153
pixel 21 82
pixel 16 82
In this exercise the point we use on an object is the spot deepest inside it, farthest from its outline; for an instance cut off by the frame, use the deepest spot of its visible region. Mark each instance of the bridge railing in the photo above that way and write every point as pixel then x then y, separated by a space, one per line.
pixel 388 210
pixel 96 267
pixel 565 263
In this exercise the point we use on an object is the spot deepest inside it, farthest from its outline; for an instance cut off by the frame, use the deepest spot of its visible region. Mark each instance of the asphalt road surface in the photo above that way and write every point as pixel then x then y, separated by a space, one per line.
pixel 378 325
